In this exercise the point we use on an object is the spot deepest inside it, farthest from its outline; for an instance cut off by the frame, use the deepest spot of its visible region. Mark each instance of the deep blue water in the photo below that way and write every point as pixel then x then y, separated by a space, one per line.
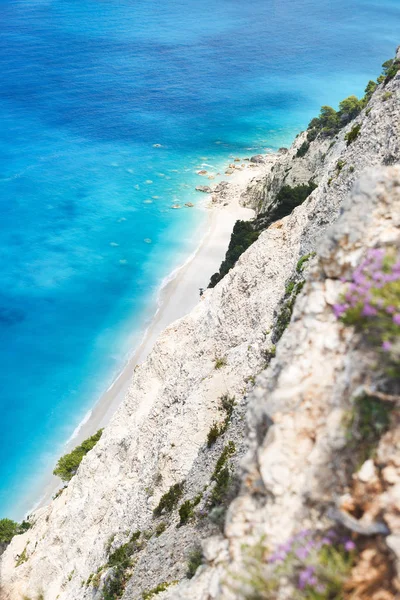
pixel 86 90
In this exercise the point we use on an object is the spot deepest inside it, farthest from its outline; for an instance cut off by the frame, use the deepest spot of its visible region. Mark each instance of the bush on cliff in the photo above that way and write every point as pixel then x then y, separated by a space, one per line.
pixel 242 237
pixel 302 151
pixel 390 70
pixel 289 197
pixel 68 464
pixel 169 500
pixel 330 122
pixel 246 232
pixel 9 528
pixel 353 134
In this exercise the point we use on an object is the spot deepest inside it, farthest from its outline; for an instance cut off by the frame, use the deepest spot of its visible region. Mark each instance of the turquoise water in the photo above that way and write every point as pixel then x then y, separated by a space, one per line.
pixel 87 90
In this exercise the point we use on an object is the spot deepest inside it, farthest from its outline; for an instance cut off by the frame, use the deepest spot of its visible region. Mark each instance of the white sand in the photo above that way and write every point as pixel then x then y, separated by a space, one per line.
pixel 177 298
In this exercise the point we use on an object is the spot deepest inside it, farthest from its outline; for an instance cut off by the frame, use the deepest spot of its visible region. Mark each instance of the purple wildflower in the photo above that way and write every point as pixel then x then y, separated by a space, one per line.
pixel 369 311
pixel 326 541
pixel 307 577
pixel 302 553
pixel 349 546
pixel 396 319
pixel 386 346
pixel 331 534
pixel 339 309
pixel 278 556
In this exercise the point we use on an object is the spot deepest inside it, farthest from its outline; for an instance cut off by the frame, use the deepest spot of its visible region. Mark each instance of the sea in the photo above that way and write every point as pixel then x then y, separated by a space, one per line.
pixel 108 108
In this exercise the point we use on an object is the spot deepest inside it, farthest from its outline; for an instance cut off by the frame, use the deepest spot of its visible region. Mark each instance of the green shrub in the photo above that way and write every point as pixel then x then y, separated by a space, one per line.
pixel 22 558
pixel 186 511
pixel 369 420
pixel 122 555
pixel 195 560
pixel 369 90
pixel 330 122
pixel 301 263
pixel 285 313
pixel 289 197
pixel 353 134
pixel 302 151
pixel 221 476
pixel 161 587
pixel 115 585
pixel 222 483
pixel 9 528
pixel 268 355
pixel 312 134
pixel 228 405
pixel 243 235
pixel 339 165
pixel 169 500
pixel 96 579
pixel 161 527
pixel 387 96
pixel 349 108
pixel 68 464
pixel 120 561
pixel 390 70
pixel 228 451
pixel 213 435
pixel 246 233
pixel 220 362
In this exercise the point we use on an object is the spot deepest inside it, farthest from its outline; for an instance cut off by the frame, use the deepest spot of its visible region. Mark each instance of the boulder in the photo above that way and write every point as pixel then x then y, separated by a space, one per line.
pixel 258 159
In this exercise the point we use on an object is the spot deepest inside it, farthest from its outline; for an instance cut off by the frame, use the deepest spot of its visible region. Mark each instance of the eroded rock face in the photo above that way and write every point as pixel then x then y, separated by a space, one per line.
pixel 296 471
pixel 295 443
pixel 330 162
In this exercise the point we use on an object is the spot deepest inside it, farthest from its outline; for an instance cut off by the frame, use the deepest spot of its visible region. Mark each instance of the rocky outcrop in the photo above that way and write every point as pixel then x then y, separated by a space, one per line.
pixel 295 450
pixel 296 473
pixel 334 164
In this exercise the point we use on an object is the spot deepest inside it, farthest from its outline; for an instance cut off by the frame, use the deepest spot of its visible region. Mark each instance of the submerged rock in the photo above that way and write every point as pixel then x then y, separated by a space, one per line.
pixel 204 188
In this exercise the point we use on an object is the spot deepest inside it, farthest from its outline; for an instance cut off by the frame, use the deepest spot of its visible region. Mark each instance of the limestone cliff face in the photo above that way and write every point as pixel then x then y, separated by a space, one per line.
pixel 295 474
pixel 158 437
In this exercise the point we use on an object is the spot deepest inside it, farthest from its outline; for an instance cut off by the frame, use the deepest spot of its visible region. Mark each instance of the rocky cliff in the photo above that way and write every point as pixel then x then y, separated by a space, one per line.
pixel 241 406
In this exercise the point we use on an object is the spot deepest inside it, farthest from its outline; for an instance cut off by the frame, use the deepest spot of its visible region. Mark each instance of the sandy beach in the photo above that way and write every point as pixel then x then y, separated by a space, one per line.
pixel 177 298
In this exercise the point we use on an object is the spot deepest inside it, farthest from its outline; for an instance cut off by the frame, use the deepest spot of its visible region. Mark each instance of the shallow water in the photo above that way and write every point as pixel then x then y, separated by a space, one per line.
pixel 87 90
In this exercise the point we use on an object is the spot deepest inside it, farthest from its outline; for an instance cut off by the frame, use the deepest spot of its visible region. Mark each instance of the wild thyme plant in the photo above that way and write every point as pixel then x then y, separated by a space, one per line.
pixel 372 301
pixel 315 566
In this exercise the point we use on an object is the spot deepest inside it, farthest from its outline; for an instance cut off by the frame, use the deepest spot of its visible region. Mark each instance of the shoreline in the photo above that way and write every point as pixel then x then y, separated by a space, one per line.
pixel 177 296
